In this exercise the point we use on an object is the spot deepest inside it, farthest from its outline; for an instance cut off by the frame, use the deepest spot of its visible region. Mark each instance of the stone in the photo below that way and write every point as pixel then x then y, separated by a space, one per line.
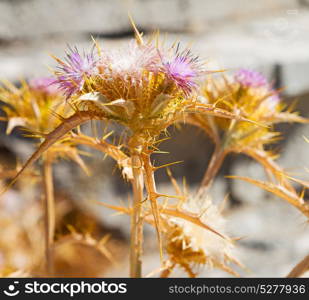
pixel 36 18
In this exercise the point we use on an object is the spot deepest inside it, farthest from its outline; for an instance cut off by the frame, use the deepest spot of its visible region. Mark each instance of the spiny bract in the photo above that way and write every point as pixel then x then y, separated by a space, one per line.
pixel 141 86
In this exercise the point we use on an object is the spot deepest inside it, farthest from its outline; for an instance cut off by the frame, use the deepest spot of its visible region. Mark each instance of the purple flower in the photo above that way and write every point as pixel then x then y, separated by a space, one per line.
pixel 44 84
pixel 249 78
pixel 72 72
pixel 183 69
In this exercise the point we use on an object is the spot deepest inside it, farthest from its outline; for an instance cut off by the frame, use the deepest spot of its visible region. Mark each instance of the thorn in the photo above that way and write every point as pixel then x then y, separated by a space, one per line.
pixel 99 50
pixel 57 115
pixel 167 165
pixel 107 135
pixel 138 35
pixel 170 196
pixel 160 152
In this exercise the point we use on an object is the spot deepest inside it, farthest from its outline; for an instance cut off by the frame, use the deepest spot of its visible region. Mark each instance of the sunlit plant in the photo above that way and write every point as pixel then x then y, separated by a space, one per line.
pixel 36 107
pixel 193 233
pixel 146 87
pixel 143 86
pixel 247 93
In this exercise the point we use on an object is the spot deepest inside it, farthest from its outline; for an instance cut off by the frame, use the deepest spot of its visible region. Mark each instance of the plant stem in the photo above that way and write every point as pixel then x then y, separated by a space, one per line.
pixel 166 273
pixel 49 212
pixel 215 164
pixel 136 246
pixel 153 195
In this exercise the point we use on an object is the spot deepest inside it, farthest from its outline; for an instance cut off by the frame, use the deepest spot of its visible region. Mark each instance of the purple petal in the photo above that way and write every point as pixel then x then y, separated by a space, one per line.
pixel 249 78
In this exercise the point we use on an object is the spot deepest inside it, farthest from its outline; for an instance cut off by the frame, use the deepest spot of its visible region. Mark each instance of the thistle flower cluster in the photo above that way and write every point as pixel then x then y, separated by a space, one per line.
pixel 38 107
pixel 250 94
pixel 140 85
pixel 31 105
pixel 257 84
pixel 190 246
pixel 129 65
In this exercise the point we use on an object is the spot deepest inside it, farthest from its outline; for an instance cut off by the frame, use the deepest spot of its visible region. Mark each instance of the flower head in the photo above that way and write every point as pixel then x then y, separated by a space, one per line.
pixel 260 97
pixel 38 111
pixel 248 93
pixel 31 104
pixel 140 85
pixel 128 61
pixel 184 69
pixel 189 244
pixel 44 84
pixel 249 78
pixel 72 72
pixel 141 81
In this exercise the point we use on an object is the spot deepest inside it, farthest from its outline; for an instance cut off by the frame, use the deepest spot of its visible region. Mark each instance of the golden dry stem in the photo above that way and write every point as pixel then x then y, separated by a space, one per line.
pixel 214 166
pixel 136 246
pixel 50 216
pixel 152 195
pixel 301 268
pixel 281 191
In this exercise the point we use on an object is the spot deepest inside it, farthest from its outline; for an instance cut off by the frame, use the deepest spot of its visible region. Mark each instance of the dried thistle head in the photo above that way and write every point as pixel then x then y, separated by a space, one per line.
pixel 247 93
pixel 193 234
pixel 39 107
pixel 190 245
pixel 141 85
pixel 32 104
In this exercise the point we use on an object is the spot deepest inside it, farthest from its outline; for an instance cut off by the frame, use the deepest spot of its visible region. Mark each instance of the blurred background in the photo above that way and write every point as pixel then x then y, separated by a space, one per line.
pixel 271 36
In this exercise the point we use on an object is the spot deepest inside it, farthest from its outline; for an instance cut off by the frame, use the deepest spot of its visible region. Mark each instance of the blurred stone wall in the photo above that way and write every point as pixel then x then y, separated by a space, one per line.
pixel 37 18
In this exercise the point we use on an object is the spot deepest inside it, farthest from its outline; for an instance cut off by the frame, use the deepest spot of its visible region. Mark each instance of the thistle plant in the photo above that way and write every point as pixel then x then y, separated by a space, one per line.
pixel 247 93
pixel 193 233
pixel 145 87
pixel 35 107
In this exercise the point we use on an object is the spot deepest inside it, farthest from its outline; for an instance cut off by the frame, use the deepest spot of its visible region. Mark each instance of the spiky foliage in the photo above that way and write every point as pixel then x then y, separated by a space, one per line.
pixel 30 107
pixel 300 269
pixel 144 87
pixel 139 95
pixel 193 233
pixel 38 108
pixel 189 245
pixel 283 189
pixel 247 93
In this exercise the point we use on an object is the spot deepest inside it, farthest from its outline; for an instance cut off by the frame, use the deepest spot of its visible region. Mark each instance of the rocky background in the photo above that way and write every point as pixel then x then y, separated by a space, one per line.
pixel 267 35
